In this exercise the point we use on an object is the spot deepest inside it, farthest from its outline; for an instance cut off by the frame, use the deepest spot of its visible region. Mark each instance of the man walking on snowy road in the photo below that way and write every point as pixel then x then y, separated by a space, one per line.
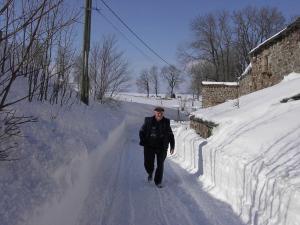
pixel 156 135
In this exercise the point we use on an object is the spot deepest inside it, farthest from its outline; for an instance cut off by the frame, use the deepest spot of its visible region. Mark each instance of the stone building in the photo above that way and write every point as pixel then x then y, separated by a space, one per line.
pixel 214 93
pixel 269 63
pixel 275 57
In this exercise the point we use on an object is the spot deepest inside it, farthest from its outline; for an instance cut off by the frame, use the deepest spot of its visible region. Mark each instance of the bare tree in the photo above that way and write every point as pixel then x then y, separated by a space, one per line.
pixel 252 26
pixel 154 78
pixel 199 71
pixel 95 64
pixel 223 40
pixel 26 45
pixel 29 29
pixel 205 43
pixel 293 18
pixel 109 68
pixel 172 76
pixel 63 66
pixel 214 44
pixel 226 47
pixel 269 21
pixel 77 70
pixel 143 82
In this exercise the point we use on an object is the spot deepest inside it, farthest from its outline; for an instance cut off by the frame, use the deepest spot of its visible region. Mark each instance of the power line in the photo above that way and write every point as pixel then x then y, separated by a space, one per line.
pixel 123 35
pixel 131 31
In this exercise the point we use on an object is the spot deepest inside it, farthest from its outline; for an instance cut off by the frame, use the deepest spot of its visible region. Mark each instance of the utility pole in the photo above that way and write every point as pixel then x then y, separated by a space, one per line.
pixel 84 92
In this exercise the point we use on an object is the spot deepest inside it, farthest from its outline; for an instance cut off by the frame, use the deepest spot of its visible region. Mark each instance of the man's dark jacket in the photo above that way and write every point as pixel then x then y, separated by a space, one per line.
pixel 166 133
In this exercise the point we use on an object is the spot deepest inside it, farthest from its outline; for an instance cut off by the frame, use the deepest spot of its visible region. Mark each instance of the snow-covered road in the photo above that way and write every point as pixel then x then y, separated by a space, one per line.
pixel 113 190
pixel 82 165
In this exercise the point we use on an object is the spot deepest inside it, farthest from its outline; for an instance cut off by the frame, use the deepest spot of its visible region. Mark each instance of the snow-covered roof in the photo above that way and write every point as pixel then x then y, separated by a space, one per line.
pixel 246 71
pixel 275 37
pixel 219 83
pixel 266 41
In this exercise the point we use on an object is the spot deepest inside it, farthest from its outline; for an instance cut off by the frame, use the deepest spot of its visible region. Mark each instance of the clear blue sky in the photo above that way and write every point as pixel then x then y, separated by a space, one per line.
pixel 164 24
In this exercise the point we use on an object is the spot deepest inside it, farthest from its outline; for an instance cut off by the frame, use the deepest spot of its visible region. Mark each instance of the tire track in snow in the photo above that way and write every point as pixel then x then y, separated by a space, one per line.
pixel 111 192
pixel 164 199
pixel 132 215
pixel 165 219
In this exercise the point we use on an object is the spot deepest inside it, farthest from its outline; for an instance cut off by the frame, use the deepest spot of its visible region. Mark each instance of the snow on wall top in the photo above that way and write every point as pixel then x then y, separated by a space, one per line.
pixel 249 67
pixel 219 83
pixel 266 41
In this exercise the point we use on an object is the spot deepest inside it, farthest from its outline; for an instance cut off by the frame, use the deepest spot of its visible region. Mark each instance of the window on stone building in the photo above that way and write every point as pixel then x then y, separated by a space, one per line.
pixel 265 63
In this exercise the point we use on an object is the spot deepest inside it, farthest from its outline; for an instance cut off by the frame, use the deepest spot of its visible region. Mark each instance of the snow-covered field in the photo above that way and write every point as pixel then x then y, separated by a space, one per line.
pixel 182 102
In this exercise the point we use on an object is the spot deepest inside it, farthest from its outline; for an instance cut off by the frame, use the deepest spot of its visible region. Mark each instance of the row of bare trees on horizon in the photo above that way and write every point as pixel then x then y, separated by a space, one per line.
pixel 150 80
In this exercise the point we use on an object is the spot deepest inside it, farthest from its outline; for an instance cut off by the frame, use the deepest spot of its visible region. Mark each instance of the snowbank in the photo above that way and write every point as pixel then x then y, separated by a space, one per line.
pixel 252 161
pixel 188 148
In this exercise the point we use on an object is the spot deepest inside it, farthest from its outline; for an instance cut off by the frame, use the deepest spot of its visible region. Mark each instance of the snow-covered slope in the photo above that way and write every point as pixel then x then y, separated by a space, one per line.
pixel 252 161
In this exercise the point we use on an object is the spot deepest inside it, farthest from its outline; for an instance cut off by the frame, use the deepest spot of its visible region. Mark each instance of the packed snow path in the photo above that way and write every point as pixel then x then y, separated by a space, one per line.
pixel 112 189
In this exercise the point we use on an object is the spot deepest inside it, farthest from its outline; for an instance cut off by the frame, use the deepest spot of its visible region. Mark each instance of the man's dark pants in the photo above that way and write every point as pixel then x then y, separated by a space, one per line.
pixel 149 157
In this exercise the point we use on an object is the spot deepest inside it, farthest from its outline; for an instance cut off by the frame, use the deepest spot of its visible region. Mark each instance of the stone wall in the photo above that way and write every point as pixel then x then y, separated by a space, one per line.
pixel 276 60
pixel 203 128
pixel 245 85
pixel 216 93
pixel 270 62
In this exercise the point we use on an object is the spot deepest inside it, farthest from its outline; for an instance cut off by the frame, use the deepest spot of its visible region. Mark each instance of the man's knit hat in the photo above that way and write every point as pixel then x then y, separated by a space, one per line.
pixel 159 109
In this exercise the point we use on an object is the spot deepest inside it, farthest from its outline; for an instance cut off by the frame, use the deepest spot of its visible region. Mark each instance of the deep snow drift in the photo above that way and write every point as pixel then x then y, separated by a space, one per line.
pixel 252 161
